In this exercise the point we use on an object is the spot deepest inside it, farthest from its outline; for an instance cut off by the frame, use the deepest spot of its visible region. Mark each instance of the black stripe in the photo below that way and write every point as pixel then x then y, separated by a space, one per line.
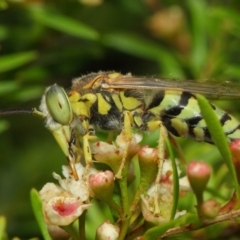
pixel 194 121
pixel 225 118
pixel 157 99
pixel 176 110
pixel 168 124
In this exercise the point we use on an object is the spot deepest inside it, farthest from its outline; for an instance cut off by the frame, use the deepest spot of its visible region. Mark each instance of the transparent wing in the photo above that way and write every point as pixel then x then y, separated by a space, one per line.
pixel 210 88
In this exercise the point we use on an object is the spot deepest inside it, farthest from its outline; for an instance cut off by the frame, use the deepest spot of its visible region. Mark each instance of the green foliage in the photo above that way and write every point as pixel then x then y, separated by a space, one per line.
pixel 56 41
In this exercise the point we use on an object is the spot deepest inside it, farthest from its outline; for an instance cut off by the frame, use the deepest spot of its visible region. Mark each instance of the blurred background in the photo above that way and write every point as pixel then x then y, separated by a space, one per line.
pixel 47 42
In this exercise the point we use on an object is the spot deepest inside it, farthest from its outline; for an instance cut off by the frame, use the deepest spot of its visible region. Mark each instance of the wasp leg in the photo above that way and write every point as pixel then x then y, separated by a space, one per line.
pixel 127 134
pixel 66 140
pixel 153 125
pixel 87 151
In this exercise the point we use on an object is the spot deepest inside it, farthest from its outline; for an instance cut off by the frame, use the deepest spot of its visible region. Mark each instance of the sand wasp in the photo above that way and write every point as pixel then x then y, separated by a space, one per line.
pixel 112 101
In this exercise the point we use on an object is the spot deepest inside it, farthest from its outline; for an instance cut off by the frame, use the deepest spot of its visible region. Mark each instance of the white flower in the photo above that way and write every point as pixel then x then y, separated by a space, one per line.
pixel 65 203
pixel 79 188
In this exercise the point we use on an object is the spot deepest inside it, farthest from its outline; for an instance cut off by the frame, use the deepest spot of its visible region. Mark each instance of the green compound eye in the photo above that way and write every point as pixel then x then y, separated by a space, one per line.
pixel 58 105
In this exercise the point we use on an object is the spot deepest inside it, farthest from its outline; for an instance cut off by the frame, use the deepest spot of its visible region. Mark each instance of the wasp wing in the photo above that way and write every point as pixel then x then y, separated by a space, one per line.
pixel 210 88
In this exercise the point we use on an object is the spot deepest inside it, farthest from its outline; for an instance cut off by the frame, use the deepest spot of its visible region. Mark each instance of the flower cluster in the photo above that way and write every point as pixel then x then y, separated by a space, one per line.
pixel 64 203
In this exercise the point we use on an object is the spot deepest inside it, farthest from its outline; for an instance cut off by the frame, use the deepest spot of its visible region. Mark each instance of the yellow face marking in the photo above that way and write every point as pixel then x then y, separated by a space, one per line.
pixel 129 103
pixel 103 105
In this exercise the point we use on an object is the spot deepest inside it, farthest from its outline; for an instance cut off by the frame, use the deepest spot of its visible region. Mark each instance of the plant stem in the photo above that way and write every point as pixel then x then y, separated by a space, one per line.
pixel 125 203
pixel 81 226
pixel 71 231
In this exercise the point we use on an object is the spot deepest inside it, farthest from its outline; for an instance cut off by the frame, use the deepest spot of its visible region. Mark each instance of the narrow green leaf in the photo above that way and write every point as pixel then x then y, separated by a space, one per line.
pixel 12 61
pixel 175 179
pixel 199 49
pixel 2 226
pixel 37 209
pixel 6 87
pixel 65 24
pixel 218 137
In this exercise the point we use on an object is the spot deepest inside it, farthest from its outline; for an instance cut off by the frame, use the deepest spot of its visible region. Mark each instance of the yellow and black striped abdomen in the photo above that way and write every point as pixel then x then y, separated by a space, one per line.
pixel 181 115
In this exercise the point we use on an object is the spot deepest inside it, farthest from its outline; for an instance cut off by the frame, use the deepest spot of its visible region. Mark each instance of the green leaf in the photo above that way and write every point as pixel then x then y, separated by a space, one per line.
pixel 138 46
pixel 175 179
pixel 65 24
pixel 37 209
pixel 218 137
pixel 2 227
pixel 12 61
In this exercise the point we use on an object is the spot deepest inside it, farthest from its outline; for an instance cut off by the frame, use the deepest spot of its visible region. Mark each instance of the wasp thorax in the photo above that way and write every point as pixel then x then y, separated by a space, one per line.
pixel 58 105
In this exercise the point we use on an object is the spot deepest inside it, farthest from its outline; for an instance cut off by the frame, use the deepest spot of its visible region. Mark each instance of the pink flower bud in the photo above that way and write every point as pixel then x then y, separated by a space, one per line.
pixel 102 184
pixel 198 174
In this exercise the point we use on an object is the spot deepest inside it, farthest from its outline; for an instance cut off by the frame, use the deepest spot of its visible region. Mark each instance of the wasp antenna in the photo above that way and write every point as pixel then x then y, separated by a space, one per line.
pixel 13 111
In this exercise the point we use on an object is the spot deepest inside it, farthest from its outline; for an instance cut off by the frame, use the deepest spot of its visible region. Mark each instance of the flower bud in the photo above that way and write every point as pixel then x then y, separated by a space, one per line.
pixel 107 231
pixel 117 156
pixel 198 174
pixel 148 163
pixel 102 185
pixel 108 154
pixel 210 209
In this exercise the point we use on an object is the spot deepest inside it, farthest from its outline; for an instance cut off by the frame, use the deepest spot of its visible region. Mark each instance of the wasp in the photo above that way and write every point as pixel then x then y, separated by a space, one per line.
pixel 112 101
